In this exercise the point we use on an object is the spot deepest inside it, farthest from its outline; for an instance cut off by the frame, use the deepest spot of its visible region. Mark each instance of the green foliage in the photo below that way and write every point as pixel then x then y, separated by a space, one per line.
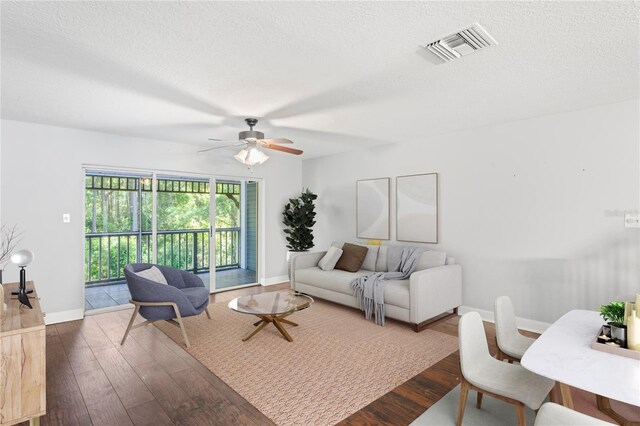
pixel 299 217
pixel 109 211
pixel 227 211
pixel 613 312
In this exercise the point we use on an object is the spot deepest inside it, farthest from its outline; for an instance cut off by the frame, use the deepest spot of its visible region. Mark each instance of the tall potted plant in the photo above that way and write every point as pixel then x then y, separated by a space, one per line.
pixel 298 218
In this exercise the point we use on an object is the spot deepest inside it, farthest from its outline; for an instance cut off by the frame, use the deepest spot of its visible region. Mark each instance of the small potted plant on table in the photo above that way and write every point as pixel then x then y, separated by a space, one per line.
pixel 613 313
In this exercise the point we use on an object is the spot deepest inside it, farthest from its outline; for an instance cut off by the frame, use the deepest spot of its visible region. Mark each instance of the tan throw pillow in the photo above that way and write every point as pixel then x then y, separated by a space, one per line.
pixel 352 257
pixel 328 262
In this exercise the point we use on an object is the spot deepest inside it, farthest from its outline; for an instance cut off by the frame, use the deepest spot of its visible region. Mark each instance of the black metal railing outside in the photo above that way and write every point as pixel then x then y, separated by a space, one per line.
pixel 106 254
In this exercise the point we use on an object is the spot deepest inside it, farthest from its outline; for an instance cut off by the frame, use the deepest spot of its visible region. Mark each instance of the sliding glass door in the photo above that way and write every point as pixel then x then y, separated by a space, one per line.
pixel 167 220
pixel 236 233
pixel 118 229
pixel 183 207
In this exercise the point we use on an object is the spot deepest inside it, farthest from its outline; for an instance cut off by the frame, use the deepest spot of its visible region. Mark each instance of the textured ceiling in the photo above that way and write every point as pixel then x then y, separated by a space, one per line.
pixel 332 76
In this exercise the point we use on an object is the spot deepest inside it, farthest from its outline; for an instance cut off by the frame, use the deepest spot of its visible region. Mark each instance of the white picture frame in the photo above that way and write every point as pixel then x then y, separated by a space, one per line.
pixel 417 208
pixel 373 209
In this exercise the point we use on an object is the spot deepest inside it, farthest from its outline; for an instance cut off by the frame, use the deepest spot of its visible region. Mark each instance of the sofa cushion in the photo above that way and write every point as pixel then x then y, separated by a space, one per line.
pixel 431 259
pixel 381 262
pixel 352 257
pixel 336 280
pixel 396 292
pixel 370 259
pixel 329 260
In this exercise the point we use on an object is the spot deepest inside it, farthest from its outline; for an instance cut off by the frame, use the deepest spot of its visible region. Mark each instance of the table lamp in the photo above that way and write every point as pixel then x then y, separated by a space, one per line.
pixel 22 258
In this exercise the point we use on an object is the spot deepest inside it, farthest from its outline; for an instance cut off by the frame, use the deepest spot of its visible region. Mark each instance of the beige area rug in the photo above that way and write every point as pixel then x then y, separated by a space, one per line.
pixel 337 364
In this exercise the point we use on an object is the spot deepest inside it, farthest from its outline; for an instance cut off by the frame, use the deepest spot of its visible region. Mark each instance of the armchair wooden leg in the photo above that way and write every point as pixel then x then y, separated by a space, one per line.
pixel 207 312
pixel 179 319
pixel 462 403
pixel 133 317
pixel 479 400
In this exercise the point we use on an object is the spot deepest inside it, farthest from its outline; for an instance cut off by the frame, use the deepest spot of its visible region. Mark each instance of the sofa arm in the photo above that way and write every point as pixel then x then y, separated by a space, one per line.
pixel 434 291
pixel 302 261
pixel 307 260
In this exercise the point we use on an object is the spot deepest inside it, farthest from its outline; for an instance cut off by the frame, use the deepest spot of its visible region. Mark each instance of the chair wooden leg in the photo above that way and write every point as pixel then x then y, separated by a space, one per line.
pixel 499 354
pixel 479 400
pixel 182 328
pixel 133 317
pixel 522 420
pixel 462 403
pixel 207 312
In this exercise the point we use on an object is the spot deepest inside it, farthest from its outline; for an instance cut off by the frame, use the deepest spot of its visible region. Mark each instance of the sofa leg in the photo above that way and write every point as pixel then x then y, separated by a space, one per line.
pixel 207 312
pixel 419 327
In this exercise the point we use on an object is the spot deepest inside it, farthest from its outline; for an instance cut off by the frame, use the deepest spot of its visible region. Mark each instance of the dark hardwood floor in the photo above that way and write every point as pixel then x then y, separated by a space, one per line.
pixel 151 380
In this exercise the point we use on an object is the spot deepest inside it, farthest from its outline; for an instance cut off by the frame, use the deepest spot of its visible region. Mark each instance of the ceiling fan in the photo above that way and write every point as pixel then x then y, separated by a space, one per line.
pixel 250 140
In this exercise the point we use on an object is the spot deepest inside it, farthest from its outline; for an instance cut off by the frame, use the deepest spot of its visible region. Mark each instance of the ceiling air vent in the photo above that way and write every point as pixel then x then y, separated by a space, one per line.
pixel 461 43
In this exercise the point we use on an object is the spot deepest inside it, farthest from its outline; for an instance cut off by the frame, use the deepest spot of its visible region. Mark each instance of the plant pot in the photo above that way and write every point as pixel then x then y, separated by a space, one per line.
pixel 619 334
pixel 290 255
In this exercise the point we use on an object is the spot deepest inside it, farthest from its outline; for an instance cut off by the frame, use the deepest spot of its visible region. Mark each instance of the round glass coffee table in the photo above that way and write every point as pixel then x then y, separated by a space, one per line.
pixel 271 307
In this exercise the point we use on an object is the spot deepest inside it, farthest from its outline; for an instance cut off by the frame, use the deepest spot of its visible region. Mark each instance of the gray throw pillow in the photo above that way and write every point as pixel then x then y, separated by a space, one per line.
pixel 328 262
pixel 153 274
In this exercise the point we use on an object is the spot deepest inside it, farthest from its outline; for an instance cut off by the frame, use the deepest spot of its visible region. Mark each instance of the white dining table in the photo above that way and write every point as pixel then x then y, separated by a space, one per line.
pixel 563 353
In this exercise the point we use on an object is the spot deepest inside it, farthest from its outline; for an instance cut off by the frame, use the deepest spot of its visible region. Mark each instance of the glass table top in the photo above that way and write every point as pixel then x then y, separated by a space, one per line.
pixel 271 303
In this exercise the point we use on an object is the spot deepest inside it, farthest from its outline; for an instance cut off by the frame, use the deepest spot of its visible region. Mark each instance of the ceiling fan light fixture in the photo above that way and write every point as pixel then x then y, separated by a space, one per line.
pixel 251 156
pixel 241 156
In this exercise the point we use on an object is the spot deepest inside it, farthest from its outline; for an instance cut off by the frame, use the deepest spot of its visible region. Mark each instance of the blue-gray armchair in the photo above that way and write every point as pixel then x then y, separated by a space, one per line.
pixel 184 295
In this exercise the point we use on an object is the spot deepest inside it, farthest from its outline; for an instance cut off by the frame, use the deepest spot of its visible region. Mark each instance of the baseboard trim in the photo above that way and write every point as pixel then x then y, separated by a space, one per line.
pixel 274 280
pixel 523 323
pixel 63 316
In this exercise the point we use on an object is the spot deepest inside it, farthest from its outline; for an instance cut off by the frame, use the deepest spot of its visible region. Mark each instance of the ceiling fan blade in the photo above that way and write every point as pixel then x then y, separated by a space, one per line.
pixel 221 147
pixel 283 149
pixel 215 140
pixel 276 140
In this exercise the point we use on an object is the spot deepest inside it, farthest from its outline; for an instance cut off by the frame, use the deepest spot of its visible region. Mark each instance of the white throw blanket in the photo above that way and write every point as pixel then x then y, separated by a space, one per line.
pixel 369 290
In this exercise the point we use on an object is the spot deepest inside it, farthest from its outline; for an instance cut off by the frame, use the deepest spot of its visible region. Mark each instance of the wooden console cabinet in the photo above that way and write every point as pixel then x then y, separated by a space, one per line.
pixel 22 360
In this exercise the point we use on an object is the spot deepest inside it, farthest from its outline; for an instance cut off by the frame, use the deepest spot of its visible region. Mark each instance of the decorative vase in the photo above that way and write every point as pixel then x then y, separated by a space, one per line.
pixel 619 334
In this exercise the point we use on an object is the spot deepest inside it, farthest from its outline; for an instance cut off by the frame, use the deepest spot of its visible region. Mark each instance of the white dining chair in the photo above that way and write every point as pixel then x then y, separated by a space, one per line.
pixel 511 344
pixel 481 372
pixel 551 414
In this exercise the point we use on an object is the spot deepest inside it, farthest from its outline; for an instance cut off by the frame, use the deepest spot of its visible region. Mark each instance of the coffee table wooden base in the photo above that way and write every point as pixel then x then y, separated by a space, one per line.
pixel 276 320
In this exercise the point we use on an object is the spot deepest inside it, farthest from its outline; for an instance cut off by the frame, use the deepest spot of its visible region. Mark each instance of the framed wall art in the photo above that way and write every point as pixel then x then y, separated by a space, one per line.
pixel 417 208
pixel 373 208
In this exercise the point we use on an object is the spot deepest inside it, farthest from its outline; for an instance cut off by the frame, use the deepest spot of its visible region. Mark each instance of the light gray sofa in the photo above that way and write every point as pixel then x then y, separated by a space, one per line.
pixel 432 290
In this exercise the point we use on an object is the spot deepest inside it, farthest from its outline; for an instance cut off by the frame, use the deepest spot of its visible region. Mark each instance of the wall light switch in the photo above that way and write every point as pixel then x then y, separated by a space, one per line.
pixel 66 218
pixel 632 220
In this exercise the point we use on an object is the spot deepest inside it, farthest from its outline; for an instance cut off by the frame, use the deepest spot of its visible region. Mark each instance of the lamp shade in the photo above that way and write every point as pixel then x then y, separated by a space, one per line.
pixel 22 257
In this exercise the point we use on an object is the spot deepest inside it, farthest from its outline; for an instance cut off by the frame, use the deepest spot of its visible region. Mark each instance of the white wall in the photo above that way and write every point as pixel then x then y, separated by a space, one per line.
pixel 42 178
pixel 525 206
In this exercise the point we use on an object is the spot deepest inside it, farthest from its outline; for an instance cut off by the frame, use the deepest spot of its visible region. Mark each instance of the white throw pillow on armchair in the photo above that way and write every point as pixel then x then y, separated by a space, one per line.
pixel 153 274
pixel 328 262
